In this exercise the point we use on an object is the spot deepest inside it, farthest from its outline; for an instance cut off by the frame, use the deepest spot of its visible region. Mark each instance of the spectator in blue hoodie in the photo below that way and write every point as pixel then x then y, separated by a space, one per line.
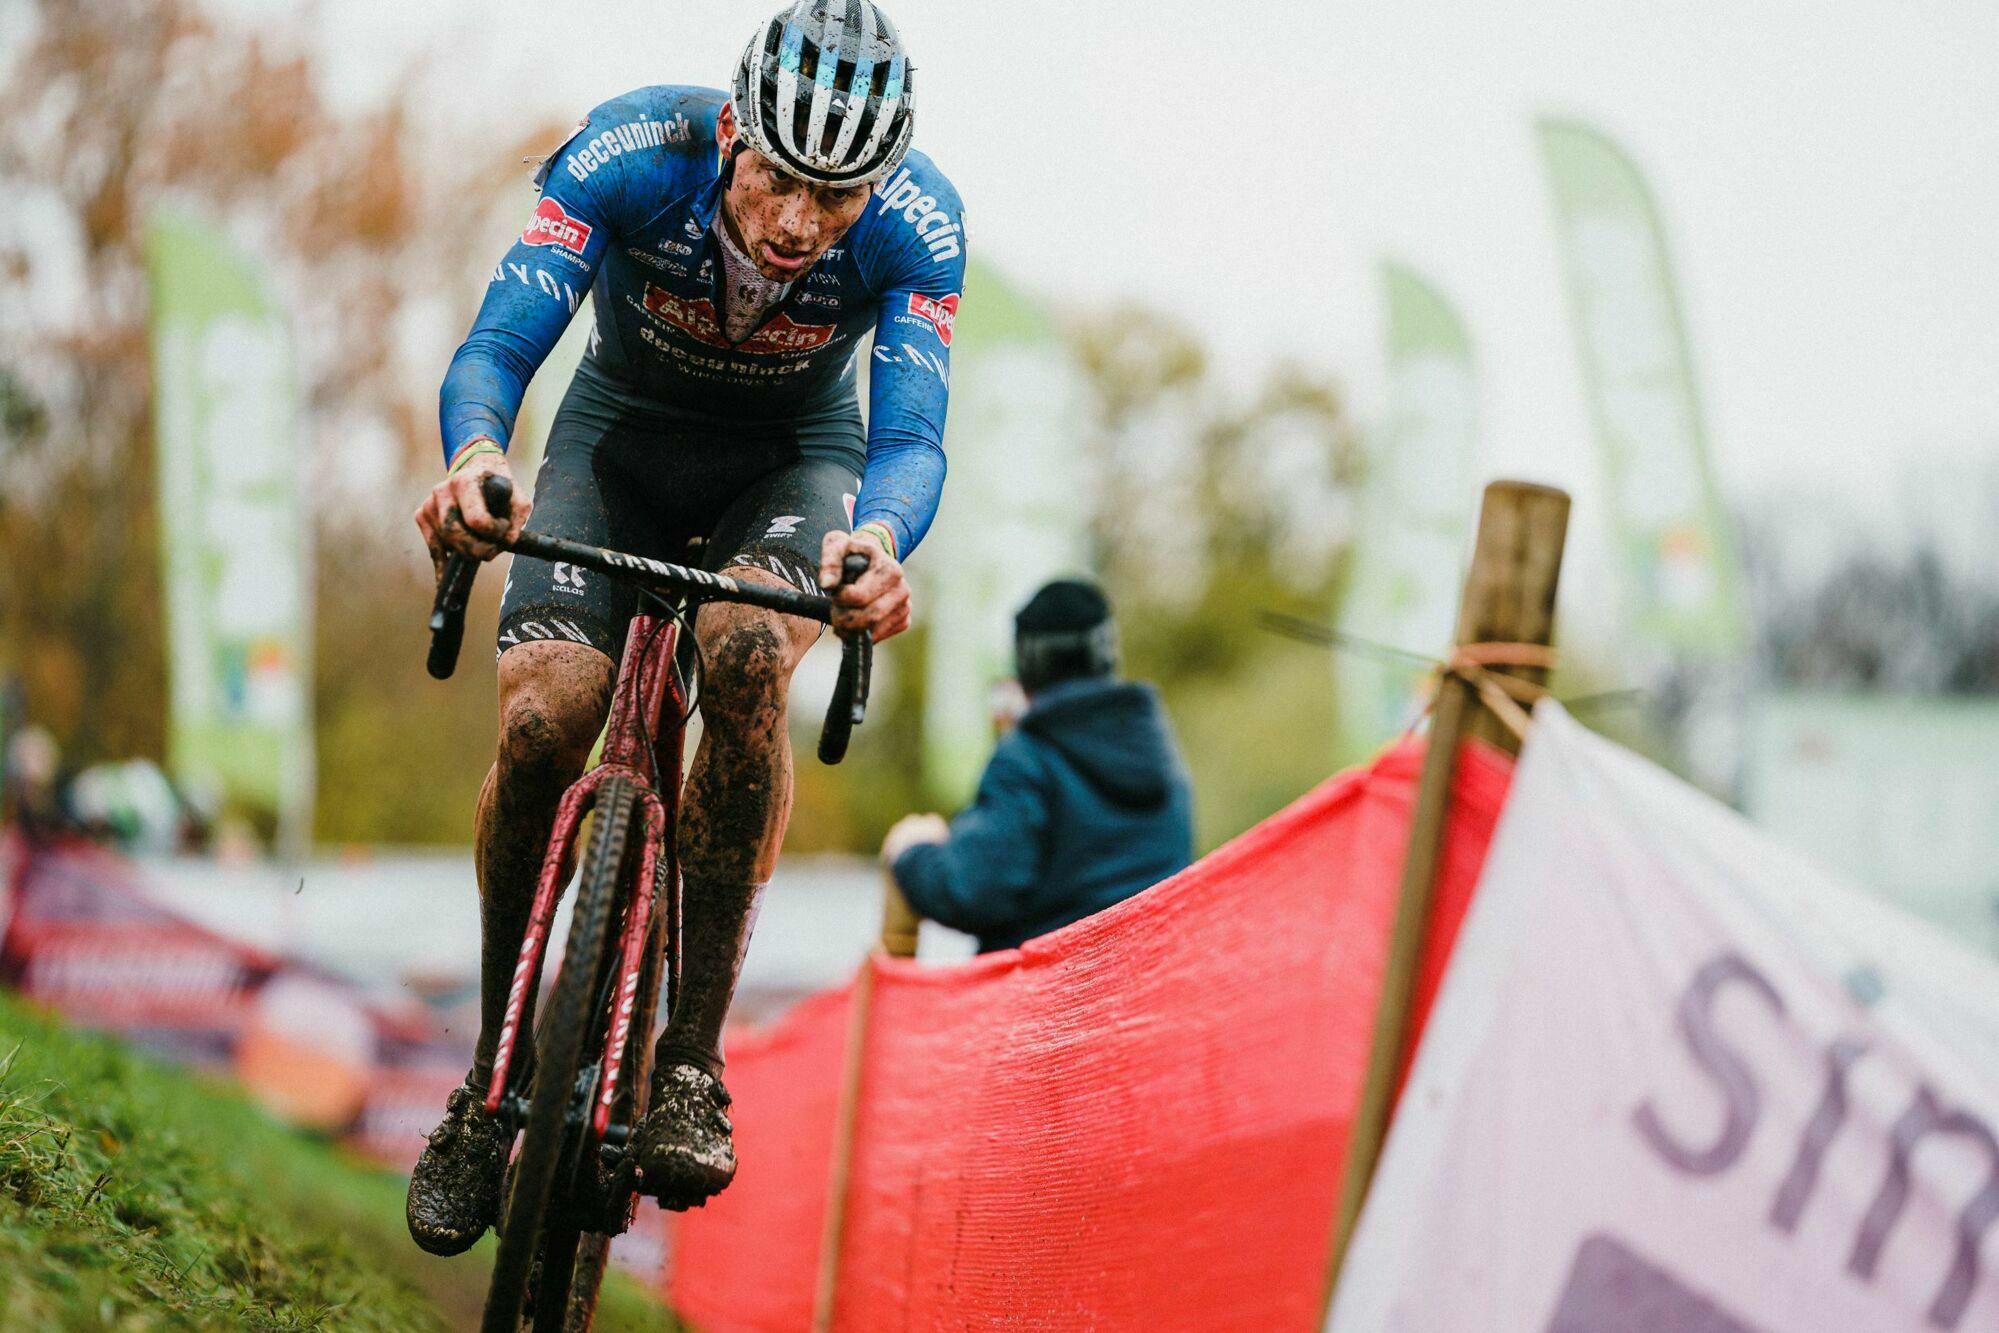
pixel 1083 804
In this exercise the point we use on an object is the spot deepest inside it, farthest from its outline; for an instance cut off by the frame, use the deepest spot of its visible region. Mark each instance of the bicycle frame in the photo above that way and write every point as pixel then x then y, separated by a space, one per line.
pixel 648 692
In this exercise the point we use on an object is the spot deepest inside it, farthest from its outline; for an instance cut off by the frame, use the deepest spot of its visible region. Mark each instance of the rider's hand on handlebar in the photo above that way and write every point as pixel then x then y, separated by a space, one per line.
pixel 453 516
pixel 878 601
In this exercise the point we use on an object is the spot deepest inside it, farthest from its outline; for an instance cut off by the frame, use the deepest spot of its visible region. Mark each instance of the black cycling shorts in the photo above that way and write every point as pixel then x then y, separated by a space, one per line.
pixel 629 480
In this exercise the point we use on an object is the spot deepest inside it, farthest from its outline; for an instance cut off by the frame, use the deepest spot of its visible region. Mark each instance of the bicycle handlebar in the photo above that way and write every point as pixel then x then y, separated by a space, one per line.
pixel 454 588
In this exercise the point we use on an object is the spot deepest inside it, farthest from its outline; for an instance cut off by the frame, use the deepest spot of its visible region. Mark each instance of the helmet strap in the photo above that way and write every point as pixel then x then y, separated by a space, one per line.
pixel 737 147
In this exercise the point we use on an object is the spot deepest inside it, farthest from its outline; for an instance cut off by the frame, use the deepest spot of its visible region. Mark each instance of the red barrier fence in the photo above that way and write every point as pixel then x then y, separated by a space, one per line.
pixel 1134 1123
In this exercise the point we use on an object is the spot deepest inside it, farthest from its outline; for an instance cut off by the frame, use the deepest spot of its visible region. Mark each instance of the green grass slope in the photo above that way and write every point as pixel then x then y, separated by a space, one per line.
pixel 133 1196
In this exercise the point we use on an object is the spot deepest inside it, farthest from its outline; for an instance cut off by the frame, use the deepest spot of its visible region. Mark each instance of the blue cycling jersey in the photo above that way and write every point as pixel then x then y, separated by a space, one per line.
pixel 628 211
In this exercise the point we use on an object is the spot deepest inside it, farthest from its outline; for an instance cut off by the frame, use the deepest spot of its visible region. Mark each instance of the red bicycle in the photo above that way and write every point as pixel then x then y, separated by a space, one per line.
pixel 572 1184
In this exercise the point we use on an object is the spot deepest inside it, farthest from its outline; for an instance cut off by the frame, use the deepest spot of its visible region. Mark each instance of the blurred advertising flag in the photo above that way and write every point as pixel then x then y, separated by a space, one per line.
pixel 1013 517
pixel 1666 516
pixel 231 527
pixel 1409 553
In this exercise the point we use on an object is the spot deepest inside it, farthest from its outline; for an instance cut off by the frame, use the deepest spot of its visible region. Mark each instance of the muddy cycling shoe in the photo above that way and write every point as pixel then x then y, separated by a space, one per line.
pixel 685 1153
pixel 455 1189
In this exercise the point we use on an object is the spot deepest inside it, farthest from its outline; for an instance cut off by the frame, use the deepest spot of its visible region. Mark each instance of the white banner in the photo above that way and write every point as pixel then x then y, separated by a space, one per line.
pixel 1680 1081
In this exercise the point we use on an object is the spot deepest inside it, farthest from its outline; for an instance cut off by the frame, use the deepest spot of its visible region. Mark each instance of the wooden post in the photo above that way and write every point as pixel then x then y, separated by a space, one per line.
pixel 833 1229
pixel 900 924
pixel 1510 591
pixel 1509 597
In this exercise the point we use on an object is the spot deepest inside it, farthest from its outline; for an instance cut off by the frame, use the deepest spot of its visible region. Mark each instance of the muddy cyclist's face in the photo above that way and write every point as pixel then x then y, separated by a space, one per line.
pixel 783 223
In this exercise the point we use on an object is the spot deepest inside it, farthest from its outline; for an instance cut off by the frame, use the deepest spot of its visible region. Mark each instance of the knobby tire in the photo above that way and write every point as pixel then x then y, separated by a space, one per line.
pixel 560 1246
pixel 593 1250
pixel 559 1041
pixel 593 1254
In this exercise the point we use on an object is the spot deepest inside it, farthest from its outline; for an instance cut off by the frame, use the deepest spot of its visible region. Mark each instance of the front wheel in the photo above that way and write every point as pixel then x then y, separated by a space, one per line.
pixel 548 1145
pixel 593 1251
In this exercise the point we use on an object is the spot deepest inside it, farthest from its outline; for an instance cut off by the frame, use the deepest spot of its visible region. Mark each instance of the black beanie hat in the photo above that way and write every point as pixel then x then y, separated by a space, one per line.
pixel 1063 632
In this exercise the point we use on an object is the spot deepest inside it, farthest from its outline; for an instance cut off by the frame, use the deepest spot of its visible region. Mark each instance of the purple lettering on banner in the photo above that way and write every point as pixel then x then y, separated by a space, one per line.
pixel 1924 1117
pixel 1741 1101
pixel 1820 1130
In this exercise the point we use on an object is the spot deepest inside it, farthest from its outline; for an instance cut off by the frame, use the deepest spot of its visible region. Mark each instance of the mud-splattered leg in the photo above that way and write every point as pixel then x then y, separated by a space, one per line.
pixel 552 702
pixel 738 798
pixel 553 698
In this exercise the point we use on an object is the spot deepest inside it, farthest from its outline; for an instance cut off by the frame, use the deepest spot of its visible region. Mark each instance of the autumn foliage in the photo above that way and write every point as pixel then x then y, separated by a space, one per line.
pixel 366 224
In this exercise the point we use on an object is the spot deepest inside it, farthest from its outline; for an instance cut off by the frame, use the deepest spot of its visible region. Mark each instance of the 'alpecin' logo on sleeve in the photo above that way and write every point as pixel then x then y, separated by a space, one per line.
pixel 552 225
pixel 941 312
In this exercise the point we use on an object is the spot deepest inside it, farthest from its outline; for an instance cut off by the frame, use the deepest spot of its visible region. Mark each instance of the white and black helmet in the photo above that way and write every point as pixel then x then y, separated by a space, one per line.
pixel 824 91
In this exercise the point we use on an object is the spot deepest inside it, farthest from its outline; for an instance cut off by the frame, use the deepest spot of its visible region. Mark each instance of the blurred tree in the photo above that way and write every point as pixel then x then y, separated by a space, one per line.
pixel 1870 603
pixel 113 107
pixel 1210 508
pixel 1206 508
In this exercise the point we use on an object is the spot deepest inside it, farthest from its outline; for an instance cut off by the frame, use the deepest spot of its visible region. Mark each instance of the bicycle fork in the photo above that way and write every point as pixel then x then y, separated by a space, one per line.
pixel 548 890
pixel 631 959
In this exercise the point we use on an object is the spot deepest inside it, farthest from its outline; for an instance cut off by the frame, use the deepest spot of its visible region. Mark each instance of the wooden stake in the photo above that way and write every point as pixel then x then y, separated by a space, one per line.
pixel 1509 597
pixel 900 925
pixel 834 1229
pixel 1510 591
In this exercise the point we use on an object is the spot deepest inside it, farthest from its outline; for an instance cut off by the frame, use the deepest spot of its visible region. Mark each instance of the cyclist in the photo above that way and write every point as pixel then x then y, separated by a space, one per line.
pixel 736 249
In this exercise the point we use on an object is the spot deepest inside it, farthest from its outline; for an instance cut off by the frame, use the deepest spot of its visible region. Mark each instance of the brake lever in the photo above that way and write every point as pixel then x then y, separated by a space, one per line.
pixel 454 587
pixel 849 706
pixel 447 615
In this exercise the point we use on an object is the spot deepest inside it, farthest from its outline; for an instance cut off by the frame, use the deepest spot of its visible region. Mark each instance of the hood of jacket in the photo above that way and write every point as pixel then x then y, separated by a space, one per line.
pixel 1114 733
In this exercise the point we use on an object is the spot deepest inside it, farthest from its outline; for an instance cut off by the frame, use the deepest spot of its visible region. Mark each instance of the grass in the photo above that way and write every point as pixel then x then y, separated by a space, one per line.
pixel 135 1196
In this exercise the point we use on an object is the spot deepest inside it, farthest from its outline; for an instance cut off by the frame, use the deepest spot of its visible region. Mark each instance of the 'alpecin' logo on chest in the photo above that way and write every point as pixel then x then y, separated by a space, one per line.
pixel 780 335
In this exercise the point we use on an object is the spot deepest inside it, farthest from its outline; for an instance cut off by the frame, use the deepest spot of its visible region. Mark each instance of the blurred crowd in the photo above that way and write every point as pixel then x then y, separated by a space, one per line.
pixel 129 804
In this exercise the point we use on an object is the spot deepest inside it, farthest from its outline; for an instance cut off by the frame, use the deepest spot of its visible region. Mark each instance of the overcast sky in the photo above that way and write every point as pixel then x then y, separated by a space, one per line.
pixel 1829 176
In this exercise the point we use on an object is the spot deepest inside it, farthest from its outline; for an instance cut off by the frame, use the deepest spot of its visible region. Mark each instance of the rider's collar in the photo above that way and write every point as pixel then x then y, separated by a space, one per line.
pixel 708 201
pixel 710 197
